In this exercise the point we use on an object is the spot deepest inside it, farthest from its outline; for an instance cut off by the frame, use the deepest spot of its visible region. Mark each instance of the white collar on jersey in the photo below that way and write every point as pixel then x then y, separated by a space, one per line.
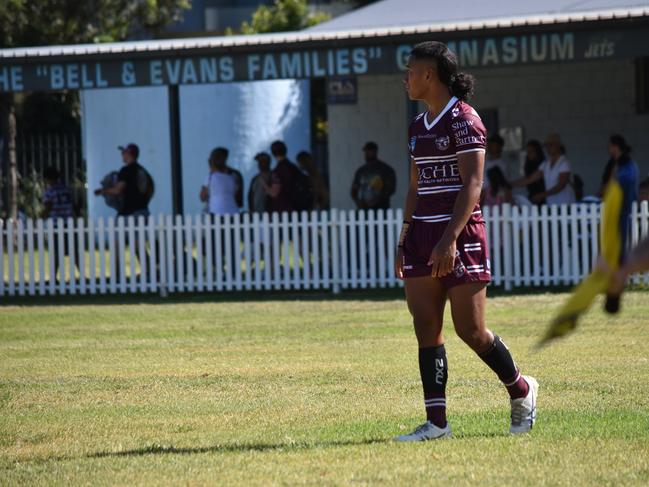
pixel 448 106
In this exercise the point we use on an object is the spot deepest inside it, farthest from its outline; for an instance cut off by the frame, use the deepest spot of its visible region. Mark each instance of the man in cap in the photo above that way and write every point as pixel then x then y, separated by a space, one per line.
pixel 374 182
pixel 134 184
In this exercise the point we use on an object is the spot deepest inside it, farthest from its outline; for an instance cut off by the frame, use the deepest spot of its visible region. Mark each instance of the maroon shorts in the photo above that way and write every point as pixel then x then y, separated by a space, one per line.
pixel 472 256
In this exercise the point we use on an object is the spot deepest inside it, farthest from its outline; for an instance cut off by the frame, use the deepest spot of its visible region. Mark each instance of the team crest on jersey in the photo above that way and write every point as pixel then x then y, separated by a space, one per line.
pixel 455 112
pixel 442 142
pixel 413 142
pixel 459 270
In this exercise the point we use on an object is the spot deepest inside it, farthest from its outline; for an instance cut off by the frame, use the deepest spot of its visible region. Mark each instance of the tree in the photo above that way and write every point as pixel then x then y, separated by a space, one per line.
pixel 282 16
pixel 54 22
pixel 48 22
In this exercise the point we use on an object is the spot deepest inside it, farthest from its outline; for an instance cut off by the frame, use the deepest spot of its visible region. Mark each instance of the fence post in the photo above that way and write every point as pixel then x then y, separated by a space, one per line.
pixel 162 257
pixel 506 226
pixel 335 260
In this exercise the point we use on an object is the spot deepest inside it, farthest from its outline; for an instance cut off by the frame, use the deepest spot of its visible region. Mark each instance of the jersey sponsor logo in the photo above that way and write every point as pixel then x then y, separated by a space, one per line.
pixel 461 140
pixel 439 371
pixel 413 142
pixel 461 124
pixel 438 172
pixel 442 143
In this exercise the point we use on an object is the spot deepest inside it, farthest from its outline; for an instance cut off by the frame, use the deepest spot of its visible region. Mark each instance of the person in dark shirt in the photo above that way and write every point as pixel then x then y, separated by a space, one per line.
pixel 318 187
pixel 130 184
pixel 258 200
pixel 535 157
pixel 620 162
pixel 282 179
pixel 374 182
pixel 135 185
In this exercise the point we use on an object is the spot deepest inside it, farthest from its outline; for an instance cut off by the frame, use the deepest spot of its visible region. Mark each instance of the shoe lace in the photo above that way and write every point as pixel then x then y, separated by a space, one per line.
pixel 420 428
pixel 518 411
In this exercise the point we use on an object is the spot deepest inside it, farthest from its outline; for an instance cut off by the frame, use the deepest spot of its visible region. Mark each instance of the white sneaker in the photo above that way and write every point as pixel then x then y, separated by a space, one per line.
pixel 524 408
pixel 427 431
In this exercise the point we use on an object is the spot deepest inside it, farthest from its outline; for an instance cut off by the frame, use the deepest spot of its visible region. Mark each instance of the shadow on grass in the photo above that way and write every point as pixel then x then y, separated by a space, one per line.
pixel 389 294
pixel 234 448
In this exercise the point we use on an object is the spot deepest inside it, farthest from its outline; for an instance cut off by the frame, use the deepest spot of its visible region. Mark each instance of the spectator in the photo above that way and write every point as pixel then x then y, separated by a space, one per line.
pixel 220 188
pixel 625 170
pixel 643 193
pixel 555 172
pixel 499 191
pixel 258 200
pixel 134 184
pixel 57 203
pixel 495 145
pixel 134 190
pixel 282 191
pixel 620 163
pixel 238 178
pixel 317 185
pixel 374 182
pixel 533 160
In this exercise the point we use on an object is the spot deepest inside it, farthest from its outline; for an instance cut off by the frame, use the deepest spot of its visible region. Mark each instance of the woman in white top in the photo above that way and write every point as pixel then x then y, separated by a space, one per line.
pixel 555 172
pixel 219 190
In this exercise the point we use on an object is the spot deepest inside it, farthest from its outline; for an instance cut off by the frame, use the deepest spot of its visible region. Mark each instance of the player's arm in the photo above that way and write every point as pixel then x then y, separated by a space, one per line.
pixel 48 204
pixel 274 188
pixel 204 194
pixel 238 195
pixel 471 166
pixel 116 190
pixel 564 179
pixel 527 180
pixel 409 209
pixel 354 189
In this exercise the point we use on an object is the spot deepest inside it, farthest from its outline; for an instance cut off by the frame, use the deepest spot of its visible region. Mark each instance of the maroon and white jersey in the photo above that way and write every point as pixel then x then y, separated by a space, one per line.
pixel 434 147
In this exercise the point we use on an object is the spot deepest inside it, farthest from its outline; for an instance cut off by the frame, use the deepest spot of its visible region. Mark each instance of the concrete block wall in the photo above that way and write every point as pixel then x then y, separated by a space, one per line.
pixel 584 102
pixel 380 115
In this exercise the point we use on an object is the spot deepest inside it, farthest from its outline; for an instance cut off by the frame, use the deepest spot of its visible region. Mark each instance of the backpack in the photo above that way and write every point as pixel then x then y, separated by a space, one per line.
pixel 145 184
pixel 302 191
pixel 112 201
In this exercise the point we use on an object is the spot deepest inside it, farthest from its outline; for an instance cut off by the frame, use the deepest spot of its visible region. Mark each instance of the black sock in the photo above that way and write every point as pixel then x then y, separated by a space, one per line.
pixel 501 362
pixel 433 368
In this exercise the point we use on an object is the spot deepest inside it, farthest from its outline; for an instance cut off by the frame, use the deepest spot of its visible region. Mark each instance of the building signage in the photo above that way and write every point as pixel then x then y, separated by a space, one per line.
pixel 342 91
pixel 550 47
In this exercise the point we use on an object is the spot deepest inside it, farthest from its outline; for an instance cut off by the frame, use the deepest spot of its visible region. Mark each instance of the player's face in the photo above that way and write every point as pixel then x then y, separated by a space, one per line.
pixel 127 157
pixel 419 78
pixel 614 151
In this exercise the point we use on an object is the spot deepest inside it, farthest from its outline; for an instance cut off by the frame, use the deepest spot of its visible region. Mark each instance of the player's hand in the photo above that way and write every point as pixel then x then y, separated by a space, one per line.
pixel 398 263
pixel 538 198
pixel 98 191
pixel 442 258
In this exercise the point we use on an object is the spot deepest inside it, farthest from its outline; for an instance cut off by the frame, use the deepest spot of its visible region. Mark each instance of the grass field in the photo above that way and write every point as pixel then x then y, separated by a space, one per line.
pixel 308 392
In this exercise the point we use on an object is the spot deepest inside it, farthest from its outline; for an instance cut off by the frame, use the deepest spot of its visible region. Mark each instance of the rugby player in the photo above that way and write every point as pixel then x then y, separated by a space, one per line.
pixel 442 250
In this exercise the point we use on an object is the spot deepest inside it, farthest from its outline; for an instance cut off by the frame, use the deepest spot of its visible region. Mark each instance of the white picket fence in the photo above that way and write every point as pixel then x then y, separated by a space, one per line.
pixel 330 250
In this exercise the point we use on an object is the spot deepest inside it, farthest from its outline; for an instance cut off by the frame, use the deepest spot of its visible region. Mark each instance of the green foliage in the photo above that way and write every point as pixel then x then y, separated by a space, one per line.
pixel 282 16
pixel 30 194
pixel 49 22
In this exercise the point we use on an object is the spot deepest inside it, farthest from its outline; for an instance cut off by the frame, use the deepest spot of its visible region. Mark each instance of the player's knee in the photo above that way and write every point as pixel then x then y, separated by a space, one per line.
pixel 427 331
pixel 478 340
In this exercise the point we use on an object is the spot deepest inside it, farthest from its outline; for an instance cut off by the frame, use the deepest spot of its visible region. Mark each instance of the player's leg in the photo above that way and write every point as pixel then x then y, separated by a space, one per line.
pixel 426 297
pixel 468 302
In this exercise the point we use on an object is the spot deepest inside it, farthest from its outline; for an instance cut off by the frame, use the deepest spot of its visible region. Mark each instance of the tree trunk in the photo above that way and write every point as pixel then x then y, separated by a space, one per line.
pixel 13 166
pixel 9 185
